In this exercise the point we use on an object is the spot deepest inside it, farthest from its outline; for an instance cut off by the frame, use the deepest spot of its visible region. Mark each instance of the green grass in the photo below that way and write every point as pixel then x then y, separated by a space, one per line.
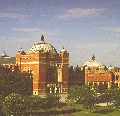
pixel 77 110
pixel 98 111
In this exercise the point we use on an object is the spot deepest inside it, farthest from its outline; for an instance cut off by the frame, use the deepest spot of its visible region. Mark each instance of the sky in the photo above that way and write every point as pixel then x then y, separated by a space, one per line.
pixel 83 27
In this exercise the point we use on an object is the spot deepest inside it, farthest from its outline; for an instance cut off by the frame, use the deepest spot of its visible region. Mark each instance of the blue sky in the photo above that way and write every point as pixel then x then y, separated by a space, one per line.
pixel 83 27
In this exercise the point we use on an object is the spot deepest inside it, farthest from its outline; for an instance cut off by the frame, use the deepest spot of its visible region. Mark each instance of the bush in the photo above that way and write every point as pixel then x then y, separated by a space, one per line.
pixel 50 101
pixel 13 104
pixel 32 103
pixel 1 100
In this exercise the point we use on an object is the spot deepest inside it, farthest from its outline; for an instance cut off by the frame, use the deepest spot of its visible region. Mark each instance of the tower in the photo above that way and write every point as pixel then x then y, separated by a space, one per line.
pixel 49 68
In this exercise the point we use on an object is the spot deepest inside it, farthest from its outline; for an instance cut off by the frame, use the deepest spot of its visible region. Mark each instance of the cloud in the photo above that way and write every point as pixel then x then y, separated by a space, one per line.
pixel 14 40
pixel 13 15
pixel 26 29
pixel 117 35
pixel 100 46
pixel 115 29
pixel 38 31
pixel 80 13
pixel 111 29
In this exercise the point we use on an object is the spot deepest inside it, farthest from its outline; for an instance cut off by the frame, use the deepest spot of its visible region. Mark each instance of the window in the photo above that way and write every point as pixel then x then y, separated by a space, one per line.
pixel 117 76
pixel 72 77
pixel 116 84
pixel 76 76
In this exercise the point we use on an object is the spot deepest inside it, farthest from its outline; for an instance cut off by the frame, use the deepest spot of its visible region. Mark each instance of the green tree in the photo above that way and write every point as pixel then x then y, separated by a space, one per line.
pixel 15 82
pixel 90 98
pixel 76 93
pixel 117 98
pixel 1 104
pixel 13 104
pixel 50 101
pixel 32 103
pixel 101 88
pixel 107 96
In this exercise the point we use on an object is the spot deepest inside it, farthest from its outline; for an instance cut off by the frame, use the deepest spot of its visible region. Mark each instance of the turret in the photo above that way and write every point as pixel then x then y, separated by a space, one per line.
pixel 93 58
pixel 42 38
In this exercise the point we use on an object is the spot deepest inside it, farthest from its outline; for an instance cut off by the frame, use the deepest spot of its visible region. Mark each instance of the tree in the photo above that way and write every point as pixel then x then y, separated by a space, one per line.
pixel 76 93
pixel 101 88
pixel 86 93
pixel 117 98
pixel 32 103
pixel 1 103
pixel 15 82
pixel 50 101
pixel 107 95
pixel 13 104
pixel 90 99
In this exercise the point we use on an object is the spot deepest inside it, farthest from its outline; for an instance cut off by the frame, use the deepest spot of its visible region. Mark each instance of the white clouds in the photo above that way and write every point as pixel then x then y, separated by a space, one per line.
pixel 19 16
pixel 100 46
pixel 37 32
pixel 13 15
pixel 115 29
pixel 111 29
pixel 80 13
pixel 26 29
pixel 13 40
pixel 117 35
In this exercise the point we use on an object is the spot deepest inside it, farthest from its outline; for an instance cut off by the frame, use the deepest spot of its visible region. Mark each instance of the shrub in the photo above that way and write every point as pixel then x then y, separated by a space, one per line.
pixel 32 103
pixel 13 104
pixel 1 100
pixel 50 101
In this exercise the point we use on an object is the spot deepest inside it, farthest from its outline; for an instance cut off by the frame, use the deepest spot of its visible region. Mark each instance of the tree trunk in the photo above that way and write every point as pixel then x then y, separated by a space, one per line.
pixel 107 104
pixel 90 109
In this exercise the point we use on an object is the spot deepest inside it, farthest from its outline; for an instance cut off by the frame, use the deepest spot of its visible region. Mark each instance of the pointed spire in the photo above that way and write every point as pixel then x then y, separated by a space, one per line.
pixel 42 38
pixel 21 47
pixel 63 50
pixel 93 58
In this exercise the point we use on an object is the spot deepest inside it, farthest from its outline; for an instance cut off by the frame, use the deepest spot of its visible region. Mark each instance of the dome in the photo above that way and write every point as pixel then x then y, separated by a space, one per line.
pixel 4 55
pixel 21 50
pixel 63 50
pixel 93 63
pixel 42 46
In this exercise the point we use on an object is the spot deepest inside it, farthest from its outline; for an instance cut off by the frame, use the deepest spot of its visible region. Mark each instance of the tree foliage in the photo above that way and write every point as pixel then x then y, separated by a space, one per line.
pixel 15 82
pixel 90 99
pixel 50 101
pixel 85 93
pixel 117 98
pixel 13 104
pixel 76 93
pixel 33 103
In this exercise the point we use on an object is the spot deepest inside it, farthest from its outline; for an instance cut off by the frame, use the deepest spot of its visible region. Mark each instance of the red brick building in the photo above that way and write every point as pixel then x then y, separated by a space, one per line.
pixel 51 71
pixel 49 68
pixel 93 71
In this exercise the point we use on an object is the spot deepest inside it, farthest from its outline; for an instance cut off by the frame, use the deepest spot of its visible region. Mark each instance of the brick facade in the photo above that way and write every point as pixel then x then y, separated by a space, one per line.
pixel 50 69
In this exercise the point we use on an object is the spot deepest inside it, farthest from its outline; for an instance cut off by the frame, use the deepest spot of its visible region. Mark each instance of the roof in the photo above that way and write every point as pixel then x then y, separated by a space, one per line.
pixel 93 63
pixel 42 47
pixel 8 60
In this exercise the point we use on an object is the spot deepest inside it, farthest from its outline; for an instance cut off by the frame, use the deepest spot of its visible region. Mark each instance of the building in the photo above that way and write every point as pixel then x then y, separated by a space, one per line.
pixel 93 71
pixel 76 76
pixel 49 68
pixel 6 60
pixel 51 71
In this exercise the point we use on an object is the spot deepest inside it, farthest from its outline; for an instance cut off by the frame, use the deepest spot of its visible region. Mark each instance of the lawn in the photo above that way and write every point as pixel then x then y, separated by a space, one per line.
pixel 98 111
pixel 77 110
